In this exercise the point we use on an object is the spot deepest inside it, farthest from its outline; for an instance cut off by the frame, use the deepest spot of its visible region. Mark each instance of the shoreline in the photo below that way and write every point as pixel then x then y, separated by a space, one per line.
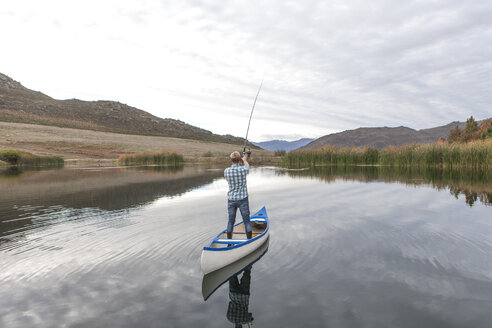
pixel 80 147
pixel 109 162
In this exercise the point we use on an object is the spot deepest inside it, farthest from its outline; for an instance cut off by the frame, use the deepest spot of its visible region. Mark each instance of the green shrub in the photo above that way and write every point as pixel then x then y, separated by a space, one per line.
pixel 15 157
pixel 10 156
pixel 488 134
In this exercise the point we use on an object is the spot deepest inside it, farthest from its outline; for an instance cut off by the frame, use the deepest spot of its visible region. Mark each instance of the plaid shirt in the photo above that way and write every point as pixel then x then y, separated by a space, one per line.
pixel 236 177
pixel 237 311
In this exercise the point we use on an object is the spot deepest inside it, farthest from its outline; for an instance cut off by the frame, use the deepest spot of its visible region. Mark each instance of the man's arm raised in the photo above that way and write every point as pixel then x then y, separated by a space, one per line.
pixel 245 159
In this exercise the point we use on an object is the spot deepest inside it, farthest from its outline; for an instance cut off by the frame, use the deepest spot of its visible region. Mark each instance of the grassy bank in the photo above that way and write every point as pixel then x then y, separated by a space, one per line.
pixel 85 145
pixel 151 158
pixel 16 157
pixel 477 154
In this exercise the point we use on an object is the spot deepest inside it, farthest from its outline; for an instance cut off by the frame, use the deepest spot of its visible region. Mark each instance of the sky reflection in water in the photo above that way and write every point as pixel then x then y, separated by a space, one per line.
pixel 121 248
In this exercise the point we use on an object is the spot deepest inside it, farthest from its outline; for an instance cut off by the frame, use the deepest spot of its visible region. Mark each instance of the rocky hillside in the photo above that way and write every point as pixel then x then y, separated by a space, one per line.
pixel 19 104
pixel 383 137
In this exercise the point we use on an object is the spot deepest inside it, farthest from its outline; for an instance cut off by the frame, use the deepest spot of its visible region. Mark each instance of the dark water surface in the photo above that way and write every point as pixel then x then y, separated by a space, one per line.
pixel 361 247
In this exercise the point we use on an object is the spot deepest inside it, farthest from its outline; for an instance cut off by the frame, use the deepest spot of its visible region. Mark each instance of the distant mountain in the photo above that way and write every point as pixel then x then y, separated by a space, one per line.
pixel 383 137
pixel 19 104
pixel 274 145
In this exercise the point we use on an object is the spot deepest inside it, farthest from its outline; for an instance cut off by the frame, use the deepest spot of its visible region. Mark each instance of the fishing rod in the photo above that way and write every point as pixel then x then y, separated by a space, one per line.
pixel 251 115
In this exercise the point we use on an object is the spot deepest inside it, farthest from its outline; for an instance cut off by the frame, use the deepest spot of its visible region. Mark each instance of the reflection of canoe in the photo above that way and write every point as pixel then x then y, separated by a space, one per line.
pixel 213 280
pixel 223 251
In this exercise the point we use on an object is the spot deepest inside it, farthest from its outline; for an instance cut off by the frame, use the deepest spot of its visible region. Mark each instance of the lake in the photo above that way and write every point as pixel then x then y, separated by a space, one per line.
pixel 348 247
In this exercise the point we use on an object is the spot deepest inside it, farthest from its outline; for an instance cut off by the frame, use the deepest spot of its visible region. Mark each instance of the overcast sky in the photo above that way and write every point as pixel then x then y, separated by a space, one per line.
pixel 328 66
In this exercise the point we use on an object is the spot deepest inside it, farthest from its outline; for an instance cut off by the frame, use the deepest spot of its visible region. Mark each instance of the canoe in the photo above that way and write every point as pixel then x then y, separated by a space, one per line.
pixel 213 280
pixel 222 251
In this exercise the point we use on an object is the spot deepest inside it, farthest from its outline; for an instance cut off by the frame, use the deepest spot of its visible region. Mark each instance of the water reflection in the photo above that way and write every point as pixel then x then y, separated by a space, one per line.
pixel 342 254
pixel 34 198
pixel 239 291
pixel 238 277
pixel 15 171
pixel 9 172
pixel 472 184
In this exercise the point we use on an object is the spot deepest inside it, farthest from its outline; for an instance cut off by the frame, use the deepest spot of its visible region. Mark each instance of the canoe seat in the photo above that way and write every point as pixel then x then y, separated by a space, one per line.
pixel 257 220
pixel 229 241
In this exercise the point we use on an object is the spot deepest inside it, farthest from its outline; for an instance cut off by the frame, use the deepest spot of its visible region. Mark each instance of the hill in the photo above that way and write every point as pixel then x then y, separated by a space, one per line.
pixel 89 146
pixel 383 137
pixel 22 105
pixel 274 145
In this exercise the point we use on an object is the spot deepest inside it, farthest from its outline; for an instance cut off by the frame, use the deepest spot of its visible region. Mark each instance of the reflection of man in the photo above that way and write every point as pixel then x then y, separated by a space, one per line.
pixel 237 312
pixel 237 196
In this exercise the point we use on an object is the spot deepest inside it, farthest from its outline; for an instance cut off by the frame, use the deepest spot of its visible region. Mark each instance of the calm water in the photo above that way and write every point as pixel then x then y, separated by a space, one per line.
pixel 348 248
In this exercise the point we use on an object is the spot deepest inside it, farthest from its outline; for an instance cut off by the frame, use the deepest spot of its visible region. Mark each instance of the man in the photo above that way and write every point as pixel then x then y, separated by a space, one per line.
pixel 239 292
pixel 237 196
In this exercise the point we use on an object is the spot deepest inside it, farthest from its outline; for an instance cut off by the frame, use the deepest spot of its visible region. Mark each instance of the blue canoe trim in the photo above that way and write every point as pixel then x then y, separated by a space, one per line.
pixel 266 250
pixel 259 216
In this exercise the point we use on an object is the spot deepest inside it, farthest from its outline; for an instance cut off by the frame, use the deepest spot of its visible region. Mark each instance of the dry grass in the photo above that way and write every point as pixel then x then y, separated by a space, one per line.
pixel 76 145
pixel 21 117
pixel 476 154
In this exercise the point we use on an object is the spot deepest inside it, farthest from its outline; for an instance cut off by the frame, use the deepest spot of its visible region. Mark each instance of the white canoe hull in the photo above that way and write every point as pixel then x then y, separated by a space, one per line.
pixel 212 281
pixel 212 260
pixel 223 251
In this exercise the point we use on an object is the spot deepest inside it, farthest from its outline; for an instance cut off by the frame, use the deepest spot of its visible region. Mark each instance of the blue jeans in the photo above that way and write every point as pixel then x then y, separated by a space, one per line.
pixel 243 205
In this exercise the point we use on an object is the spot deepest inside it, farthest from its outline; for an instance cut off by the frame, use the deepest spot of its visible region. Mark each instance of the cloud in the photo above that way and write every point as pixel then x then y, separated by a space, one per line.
pixel 328 66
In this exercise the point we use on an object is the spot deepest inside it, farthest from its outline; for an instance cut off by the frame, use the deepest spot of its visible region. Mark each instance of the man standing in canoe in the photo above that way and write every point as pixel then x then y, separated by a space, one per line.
pixel 237 196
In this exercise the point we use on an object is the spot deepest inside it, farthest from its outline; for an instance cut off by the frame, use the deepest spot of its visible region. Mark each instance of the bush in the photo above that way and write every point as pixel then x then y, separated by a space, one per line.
pixel 208 154
pixel 280 153
pixel 10 156
pixel 15 157
pixel 488 134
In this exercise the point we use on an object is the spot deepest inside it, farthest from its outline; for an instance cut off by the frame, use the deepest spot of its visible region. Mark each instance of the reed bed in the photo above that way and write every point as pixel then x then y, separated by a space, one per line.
pixel 476 154
pixel 16 157
pixel 151 158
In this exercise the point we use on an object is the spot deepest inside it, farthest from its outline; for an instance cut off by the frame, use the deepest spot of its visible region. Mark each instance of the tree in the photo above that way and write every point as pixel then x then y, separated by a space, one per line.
pixel 454 135
pixel 486 129
pixel 488 134
pixel 470 131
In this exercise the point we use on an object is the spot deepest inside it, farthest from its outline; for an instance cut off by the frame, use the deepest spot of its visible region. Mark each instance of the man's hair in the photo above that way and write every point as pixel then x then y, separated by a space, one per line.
pixel 235 157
